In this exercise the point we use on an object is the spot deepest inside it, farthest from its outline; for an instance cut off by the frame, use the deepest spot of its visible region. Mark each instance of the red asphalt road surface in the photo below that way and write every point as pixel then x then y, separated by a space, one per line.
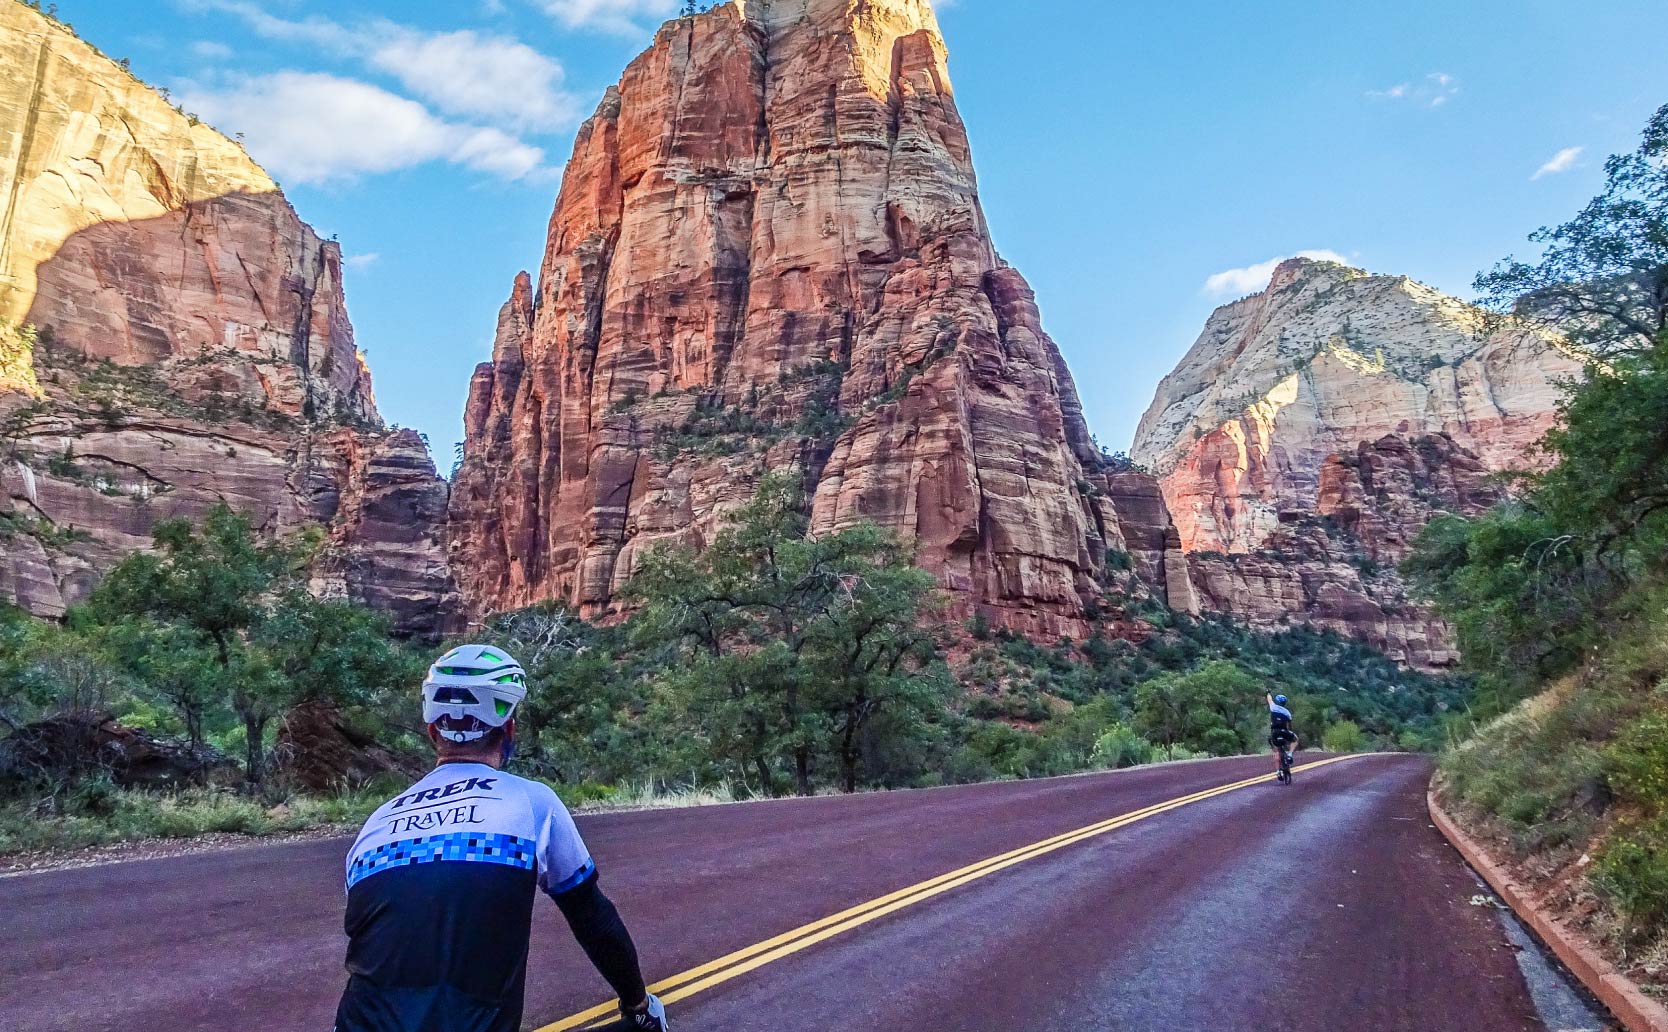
pixel 1328 905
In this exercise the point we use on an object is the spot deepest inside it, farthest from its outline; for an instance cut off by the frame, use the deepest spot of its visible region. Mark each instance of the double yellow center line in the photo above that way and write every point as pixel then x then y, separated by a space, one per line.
pixel 685 984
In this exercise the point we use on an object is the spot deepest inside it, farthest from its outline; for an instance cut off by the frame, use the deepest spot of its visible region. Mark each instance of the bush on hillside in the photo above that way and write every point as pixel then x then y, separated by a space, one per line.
pixel 1122 746
pixel 1345 736
pixel 1632 870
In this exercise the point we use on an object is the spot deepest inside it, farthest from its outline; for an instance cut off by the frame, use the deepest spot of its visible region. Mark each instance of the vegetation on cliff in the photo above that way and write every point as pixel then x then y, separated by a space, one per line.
pixel 1563 589
pixel 17 366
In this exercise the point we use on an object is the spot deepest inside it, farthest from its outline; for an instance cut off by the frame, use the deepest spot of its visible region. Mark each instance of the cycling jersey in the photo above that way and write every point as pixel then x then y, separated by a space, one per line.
pixel 440 890
pixel 1280 726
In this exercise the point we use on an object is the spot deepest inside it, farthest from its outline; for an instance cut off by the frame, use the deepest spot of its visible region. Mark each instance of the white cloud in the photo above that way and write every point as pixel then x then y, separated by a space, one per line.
pixel 1562 161
pixel 1252 278
pixel 362 261
pixel 621 16
pixel 313 31
pixel 310 128
pixel 495 78
pixel 495 151
pixel 211 50
pixel 1434 90
pixel 492 77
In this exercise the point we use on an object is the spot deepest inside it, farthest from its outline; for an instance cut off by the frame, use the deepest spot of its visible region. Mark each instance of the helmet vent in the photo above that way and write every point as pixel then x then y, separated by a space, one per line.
pixel 455 695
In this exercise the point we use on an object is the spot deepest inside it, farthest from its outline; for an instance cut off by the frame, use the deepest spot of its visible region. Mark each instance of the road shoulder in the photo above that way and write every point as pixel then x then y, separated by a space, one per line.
pixel 1624 999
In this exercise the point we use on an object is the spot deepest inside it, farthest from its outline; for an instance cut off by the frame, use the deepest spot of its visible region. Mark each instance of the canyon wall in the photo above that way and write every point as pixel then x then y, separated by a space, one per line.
pixel 768 252
pixel 1317 426
pixel 1334 567
pixel 1323 359
pixel 173 335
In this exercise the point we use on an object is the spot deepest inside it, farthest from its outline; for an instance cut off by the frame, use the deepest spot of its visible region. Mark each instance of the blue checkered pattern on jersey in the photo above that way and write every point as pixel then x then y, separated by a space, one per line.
pixel 509 850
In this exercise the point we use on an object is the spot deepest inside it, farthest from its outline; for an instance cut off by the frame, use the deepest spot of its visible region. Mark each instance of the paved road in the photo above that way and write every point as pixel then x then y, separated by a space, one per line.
pixel 1328 905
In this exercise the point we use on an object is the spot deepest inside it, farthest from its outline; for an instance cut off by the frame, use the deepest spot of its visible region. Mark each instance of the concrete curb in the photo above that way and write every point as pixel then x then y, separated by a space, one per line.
pixel 1624 1000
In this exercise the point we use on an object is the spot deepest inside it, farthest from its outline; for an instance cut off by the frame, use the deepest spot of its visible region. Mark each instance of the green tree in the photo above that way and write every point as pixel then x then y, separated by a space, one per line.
pixel 224 610
pixel 1504 580
pixel 1532 585
pixel 572 727
pixel 211 585
pixel 170 662
pixel 322 649
pixel 788 645
pixel 48 670
pixel 1602 278
pixel 1203 709
pixel 14 636
pixel 1121 746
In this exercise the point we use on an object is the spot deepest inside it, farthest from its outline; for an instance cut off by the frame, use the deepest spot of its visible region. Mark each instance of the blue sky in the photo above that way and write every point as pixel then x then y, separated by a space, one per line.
pixel 1138 162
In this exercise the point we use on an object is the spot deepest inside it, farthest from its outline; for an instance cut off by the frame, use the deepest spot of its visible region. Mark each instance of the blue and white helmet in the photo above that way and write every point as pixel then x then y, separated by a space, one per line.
pixel 478 681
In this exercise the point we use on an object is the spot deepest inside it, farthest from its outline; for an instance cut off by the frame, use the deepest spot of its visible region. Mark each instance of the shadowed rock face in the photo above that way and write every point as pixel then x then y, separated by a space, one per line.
pixel 768 250
pixel 1335 566
pixel 192 346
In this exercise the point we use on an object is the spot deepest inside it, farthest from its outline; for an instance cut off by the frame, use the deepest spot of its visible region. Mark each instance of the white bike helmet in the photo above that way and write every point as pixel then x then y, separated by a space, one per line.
pixel 477 681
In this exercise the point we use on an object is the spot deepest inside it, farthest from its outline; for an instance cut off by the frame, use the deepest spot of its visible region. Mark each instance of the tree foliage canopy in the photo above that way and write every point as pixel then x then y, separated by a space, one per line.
pixel 222 615
pixel 789 646
pixel 1533 584
pixel 1602 277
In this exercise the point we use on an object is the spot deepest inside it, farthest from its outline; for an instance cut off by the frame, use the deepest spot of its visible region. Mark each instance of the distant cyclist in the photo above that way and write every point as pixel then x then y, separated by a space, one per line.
pixel 440 884
pixel 1280 734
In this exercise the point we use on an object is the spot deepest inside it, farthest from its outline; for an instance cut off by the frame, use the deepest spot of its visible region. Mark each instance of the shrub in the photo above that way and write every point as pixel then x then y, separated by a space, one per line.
pixel 1632 871
pixel 1637 763
pixel 1345 736
pixel 1122 746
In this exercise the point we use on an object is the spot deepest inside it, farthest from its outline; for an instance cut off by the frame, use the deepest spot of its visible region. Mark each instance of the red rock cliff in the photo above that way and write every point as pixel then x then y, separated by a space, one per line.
pixel 173 335
pixel 1335 566
pixel 769 250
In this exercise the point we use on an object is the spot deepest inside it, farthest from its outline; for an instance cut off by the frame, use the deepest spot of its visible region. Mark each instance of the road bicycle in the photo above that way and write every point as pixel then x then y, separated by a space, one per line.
pixel 1285 774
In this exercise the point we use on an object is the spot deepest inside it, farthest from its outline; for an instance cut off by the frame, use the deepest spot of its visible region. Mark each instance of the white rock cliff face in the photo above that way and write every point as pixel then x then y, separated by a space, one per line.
pixel 1326 358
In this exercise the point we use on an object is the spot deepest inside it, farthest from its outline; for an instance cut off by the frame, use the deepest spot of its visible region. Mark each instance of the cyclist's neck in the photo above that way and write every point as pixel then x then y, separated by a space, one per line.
pixel 444 760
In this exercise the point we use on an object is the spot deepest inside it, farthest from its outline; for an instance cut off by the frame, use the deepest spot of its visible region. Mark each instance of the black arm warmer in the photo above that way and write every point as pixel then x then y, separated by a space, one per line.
pixel 603 937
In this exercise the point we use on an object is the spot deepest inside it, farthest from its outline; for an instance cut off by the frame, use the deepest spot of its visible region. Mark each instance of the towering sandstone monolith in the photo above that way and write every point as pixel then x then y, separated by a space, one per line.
pixel 1315 428
pixel 769 251
pixel 172 335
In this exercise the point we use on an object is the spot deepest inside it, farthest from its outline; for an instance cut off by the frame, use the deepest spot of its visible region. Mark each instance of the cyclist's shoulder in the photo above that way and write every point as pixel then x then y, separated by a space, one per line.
pixel 539 796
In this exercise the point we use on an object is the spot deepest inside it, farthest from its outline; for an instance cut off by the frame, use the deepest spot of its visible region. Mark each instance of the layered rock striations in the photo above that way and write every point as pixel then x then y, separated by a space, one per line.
pixel 1326 358
pixel 1316 427
pixel 1335 566
pixel 769 251
pixel 173 335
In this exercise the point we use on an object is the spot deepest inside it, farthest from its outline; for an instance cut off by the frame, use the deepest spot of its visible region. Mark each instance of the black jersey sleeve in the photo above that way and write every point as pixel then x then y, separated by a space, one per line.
pixel 596 924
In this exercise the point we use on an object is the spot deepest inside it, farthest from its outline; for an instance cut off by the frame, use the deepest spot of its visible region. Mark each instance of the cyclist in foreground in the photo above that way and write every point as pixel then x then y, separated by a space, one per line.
pixel 441 881
pixel 1280 733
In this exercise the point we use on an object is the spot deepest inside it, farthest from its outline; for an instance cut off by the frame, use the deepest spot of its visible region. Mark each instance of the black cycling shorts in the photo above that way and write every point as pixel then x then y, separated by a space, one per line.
pixel 1281 739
